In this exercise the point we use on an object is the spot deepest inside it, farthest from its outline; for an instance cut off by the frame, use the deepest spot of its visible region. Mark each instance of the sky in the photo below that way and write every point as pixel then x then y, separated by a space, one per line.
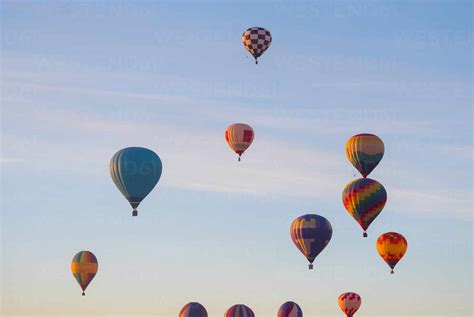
pixel 84 79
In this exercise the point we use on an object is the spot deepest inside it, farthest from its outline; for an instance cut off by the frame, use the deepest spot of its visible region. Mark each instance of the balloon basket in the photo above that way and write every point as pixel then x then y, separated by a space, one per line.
pixel 83 294
pixel 134 213
pixel 365 235
pixel 310 266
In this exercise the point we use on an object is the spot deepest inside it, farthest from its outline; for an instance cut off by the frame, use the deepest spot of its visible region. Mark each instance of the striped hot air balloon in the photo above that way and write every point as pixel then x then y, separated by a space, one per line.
pixel 290 309
pixel 349 303
pixel 364 199
pixel 239 310
pixel 256 41
pixel 239 136
pixel 311 234
pixel 392 246
pixel 84 267
pixel 135 171
pixel 193 310
pixel 365 151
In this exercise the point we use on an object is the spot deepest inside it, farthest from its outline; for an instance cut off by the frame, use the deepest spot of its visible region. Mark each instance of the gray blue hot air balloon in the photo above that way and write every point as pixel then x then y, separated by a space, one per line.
pixel 135 171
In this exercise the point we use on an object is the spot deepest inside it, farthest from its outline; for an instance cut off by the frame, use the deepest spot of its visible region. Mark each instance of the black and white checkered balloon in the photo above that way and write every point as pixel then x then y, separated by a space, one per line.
pixel 256 40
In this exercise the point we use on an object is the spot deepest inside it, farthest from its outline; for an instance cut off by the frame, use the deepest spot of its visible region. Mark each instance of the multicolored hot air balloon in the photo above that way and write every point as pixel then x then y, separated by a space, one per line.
pixel 193 310
pixel 311 234
pixel 239 136
pixel 290 309
pixel 364 151
pixel 135 171
pixel 364 199
pixel 349 303
pixel 392 247
pixel 84 267
pixel 239 310
pixel 256 41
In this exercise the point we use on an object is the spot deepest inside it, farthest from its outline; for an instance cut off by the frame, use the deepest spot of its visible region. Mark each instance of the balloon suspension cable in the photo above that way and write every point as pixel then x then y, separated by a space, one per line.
pixel 392 272
pixel 365 234
pixel 134 213
pixel 310 266
pixel 83 294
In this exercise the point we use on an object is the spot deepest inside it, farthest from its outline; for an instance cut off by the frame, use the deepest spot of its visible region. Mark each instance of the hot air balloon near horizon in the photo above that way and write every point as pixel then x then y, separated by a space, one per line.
pixel 84 267
pixel 365 151
pixel 239 310
pixel 349 303
pixel 290 309
pixel 135 171
pixel 193 309
pixel 391 246
pixel 364 199
pixel 239 137
pixel 311 234
pixel 256 41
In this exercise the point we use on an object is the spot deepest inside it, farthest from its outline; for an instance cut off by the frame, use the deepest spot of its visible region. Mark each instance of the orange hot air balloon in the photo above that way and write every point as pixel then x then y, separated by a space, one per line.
pixel 392 247
pixel 84 267
pixel 349 303
pixel 239 136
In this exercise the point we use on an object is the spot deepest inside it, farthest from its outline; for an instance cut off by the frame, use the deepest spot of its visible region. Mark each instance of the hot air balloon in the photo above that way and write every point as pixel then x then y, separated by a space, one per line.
pixel 193 310
pixel 349 303
pixel 311 234
pixel 239 310
pixel 239 136
pixel 135 171
pixel 364 151
pixel 256 41
pixel 391 247
pixel 84 267
pixel 364 199
pixel 290 309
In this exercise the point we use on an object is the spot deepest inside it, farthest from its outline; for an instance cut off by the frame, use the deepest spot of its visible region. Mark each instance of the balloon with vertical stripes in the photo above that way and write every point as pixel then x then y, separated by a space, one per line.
pixel 84 267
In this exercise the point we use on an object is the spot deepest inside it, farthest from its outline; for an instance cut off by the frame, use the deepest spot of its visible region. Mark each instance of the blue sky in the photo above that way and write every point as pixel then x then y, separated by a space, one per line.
pixel 83 79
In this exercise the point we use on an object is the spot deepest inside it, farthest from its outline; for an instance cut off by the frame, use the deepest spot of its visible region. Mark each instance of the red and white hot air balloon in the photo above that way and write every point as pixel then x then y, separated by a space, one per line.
pixel 239 136
pixel 349 303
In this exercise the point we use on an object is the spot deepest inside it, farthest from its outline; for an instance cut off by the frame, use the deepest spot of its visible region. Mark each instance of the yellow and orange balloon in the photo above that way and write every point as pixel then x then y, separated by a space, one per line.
pixel 84 267
pixel 239 136
pixel 392 246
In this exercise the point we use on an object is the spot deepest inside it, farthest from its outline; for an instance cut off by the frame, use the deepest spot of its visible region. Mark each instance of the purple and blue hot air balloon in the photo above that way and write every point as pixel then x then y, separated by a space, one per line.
pixel 311 234
pixel 239 310
pixel 290 309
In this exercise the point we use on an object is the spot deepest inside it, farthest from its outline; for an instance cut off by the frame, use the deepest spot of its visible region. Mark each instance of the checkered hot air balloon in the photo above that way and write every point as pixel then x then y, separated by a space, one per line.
pixel 135 171
pixel 193 310
pixel 392 246
pixel 239 310
pixel 364 199
pixel 256 41
pixel 311 234
pixel 290 309
pixel 239 136
pixel 365 151
pixel 84 267
pixel 349 303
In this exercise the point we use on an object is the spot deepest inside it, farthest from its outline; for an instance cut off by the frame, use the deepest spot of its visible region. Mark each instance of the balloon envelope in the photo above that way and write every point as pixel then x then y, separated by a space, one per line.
pixel 135 171
pixel 311 234
pixel 239 310
pixel 364 199
pixel 84 267
pixel 239 136
pixel 365 151
pixel 349 303
pixel 193 310
pixel 290 309
pixel 256 41
pixel 392 246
